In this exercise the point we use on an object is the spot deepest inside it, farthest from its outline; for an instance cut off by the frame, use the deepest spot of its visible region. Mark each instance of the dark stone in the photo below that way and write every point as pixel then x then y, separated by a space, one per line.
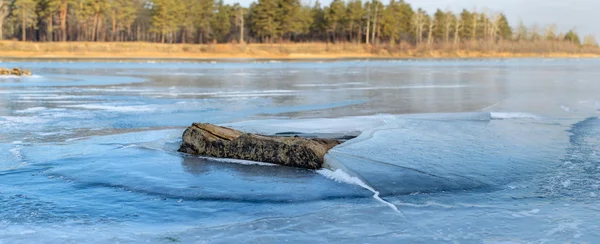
pixel 221 142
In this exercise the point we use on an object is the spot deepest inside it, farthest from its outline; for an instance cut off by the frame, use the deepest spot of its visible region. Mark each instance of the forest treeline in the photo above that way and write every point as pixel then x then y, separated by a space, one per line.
pixel 265 21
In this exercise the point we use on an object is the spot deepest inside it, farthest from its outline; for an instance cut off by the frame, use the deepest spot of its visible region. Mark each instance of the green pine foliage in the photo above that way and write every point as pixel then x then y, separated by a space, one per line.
pixel 264 21
pixel 572 37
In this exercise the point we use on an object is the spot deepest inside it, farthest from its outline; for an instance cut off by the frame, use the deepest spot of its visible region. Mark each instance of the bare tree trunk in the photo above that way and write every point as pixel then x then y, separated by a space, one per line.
pixel 23 25
pixel 486 31
pixel 457 31
pixel 114 26
pixel 1 29
pixel 368 23
pixel 374 24
pixel 474 34
pixel 139 32
pixel 448 26
pixel 430 34
pixel 4 10
pixel 63 20
pixel 241 26
pixel 101 34
pixel 419 25
pixel 94 27
pixel 50 31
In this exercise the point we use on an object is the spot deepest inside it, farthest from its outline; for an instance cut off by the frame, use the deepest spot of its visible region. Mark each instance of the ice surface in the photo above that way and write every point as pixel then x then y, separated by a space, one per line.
pixel 469 151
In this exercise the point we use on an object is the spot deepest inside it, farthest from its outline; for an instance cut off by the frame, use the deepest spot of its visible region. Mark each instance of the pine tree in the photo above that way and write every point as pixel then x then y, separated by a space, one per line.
pixel 122 15
pixel 165 18
pixel 405 15
pixel 440 20
pixel 4 11
pixel 305 20
pixel 265 23
pixel 522 32
pixel 222 22
pixel 504 29
pixel 572 37
pixel 205 14
pixel 355 16
pixel 288 16
pixel 63 9
pixel 449 24
pixel 420 20
pixel 45 12
pixel 467 30
pixel 335 16
pixel 390 23
pixel 25 12
pixel 317 27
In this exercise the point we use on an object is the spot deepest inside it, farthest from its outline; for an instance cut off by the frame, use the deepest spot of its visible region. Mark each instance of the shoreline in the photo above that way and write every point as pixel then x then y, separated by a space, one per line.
pixel 235 58
pixel 7 56
pixel 243 52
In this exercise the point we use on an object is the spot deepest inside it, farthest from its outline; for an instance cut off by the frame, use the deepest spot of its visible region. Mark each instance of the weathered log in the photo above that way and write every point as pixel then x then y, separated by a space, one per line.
pixel 221 142
pixel 15 71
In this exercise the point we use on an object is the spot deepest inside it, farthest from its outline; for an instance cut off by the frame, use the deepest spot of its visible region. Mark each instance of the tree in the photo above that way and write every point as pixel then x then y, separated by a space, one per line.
pixel 419 22
pixel 239 22
pixel 288 13
pixel 4 11
pixel 522 32
pixel 355 16
pixel 335 15
pixel 317 27
pixel 396 21
pixel 534 34
pixel 45 12
pixel 390 24
pixel 504 30
pixel 590 41
pixel 165 18
pixel 405 16
pixel 205 14
pixel 305 20
pixel 572 37
pixel 122 13
pixel 440 21
pixel 222 21
pixel 376 27
pixel 430 27
pixel 458 28
pixel 467 31
pixel 25 12
pixel 63 7
pixel 449 21
pixel 265 23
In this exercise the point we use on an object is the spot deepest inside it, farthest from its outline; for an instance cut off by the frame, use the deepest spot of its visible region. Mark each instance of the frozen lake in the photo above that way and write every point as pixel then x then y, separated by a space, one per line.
pixel 449 151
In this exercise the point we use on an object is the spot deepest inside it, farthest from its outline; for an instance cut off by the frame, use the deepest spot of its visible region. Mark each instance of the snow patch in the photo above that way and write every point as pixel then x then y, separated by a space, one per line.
pixel 502 115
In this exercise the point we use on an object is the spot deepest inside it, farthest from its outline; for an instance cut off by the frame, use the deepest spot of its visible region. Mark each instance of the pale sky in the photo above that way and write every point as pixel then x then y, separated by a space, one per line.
pixel 566 14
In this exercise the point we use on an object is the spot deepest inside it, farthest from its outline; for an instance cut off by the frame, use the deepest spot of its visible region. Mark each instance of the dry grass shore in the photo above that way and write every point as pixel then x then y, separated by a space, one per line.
pixel 141 50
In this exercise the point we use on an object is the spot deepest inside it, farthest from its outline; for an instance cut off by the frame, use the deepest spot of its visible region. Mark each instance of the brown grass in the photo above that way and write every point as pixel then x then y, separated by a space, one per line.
pixel 14 49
